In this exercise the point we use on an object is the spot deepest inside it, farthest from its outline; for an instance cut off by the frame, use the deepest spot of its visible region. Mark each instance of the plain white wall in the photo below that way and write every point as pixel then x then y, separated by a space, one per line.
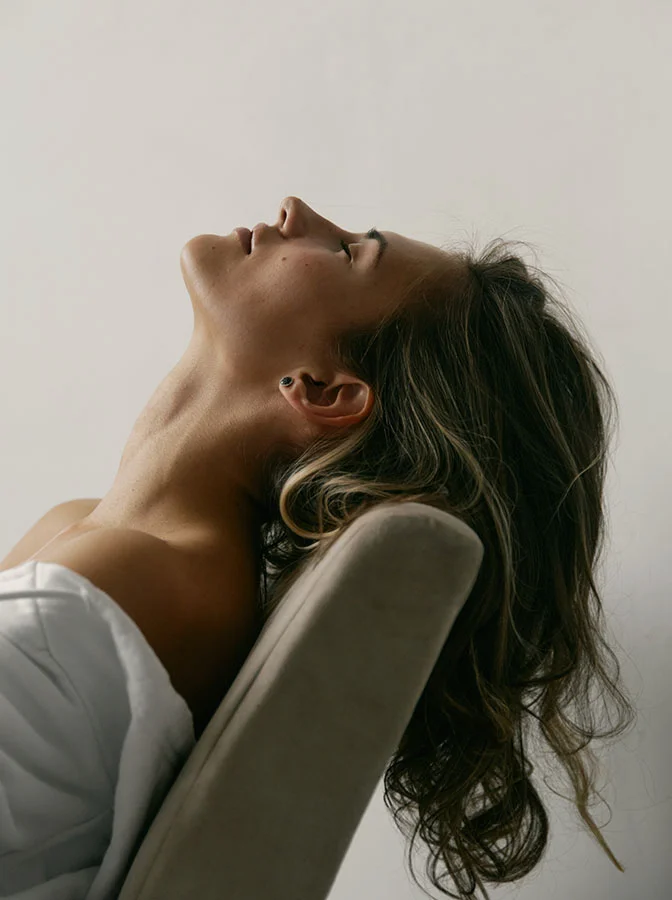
pixel 129 127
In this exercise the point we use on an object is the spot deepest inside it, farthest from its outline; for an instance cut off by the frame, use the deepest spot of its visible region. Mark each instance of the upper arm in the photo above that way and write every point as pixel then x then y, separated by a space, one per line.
pixel 59 517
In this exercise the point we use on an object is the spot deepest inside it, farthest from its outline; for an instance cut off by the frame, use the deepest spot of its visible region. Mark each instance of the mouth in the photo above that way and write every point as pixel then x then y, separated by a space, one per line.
pixel 245 238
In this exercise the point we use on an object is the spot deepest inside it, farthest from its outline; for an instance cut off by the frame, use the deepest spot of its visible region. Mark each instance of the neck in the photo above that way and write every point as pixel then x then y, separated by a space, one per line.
pixel 187 472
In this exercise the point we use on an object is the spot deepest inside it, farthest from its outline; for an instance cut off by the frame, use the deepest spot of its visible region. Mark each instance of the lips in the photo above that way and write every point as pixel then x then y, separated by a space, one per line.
pixel 245 238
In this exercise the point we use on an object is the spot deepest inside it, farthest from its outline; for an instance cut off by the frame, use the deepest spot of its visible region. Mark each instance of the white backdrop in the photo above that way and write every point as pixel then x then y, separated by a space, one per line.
pixel 129 127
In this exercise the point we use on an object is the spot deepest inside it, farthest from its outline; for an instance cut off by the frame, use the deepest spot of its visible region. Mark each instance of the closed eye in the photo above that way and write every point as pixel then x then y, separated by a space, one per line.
pixel 370 234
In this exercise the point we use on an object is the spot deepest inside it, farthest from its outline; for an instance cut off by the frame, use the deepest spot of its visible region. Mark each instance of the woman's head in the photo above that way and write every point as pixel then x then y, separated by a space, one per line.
pixel 489 403
pixel 279 310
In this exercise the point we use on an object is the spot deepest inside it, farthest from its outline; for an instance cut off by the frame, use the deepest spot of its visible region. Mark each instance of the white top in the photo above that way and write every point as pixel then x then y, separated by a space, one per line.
pixel 92 736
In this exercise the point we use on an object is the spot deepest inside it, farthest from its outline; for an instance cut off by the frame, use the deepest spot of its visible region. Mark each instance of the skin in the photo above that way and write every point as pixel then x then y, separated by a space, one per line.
pixel 190 471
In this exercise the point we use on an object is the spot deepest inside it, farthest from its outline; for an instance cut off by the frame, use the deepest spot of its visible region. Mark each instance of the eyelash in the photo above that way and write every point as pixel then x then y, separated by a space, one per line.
pixel 369 234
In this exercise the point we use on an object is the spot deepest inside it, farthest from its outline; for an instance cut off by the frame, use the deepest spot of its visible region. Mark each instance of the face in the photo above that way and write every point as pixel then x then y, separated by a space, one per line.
pixel 276 310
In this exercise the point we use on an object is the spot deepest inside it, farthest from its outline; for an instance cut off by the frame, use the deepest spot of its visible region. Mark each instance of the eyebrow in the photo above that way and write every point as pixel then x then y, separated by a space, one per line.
pixel 382 241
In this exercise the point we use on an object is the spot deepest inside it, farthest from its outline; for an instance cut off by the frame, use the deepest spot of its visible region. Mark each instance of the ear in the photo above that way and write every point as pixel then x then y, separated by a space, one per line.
pixel 341 401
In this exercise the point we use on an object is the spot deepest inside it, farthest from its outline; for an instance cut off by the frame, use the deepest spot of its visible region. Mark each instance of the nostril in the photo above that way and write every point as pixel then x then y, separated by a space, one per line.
pixel 285 208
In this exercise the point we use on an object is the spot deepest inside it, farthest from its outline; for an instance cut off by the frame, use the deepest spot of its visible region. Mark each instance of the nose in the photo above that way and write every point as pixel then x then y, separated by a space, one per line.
pixel 290 213
pixel 296 217
pixel 289 203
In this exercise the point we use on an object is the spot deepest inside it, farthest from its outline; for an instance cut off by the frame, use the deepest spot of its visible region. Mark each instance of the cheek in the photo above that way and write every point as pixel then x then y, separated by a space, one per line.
pixel 297 280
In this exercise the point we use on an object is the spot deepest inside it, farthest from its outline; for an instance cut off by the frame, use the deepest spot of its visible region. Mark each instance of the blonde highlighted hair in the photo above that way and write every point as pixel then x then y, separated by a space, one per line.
pixel 490 404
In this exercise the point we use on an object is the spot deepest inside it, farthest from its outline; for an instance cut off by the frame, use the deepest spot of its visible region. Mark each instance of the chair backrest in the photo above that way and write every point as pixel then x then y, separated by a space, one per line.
pixel 269 800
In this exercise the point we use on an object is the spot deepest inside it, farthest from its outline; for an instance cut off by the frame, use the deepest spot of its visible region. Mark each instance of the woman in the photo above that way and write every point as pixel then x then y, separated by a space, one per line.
pixel 330 371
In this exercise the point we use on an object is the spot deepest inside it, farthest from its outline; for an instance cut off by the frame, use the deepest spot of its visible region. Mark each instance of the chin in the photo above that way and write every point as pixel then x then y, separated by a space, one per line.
pixel 203 244
pixel 205 251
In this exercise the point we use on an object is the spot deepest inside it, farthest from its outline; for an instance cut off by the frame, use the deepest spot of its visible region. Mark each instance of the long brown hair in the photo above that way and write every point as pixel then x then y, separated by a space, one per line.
pixel 490 404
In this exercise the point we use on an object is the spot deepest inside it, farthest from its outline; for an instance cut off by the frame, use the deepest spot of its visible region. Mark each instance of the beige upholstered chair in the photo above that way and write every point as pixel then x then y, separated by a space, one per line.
pixel 269 800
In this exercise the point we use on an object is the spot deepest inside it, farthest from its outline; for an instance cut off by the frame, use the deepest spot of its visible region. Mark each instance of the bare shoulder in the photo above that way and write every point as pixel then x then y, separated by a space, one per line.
pixel 135 569
pixel 201 643
pixel 59 517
